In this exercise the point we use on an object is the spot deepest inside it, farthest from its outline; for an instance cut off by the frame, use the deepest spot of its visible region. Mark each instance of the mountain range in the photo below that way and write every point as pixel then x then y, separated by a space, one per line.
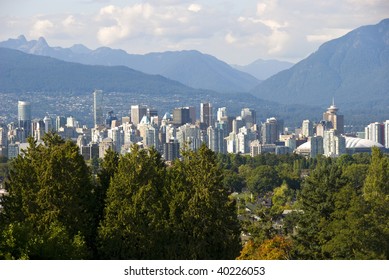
pixel 28 75
pixel 354 69
pixel 264 69
pixel 190 67
pixel 21 72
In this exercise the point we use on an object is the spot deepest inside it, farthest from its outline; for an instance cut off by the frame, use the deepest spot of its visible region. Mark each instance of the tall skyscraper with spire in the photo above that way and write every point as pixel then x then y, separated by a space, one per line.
pixel 332 116
pixel 98 108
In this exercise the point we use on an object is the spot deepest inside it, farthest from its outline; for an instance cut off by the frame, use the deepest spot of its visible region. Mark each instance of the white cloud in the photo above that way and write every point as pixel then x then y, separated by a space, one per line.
pixel 277 41
pixel 261 8
pixel 266 6
pixel 195 8
pixel 108 10
pixel 239 30
pixel 41 28
pixel 325 35
pixel 171 23
pixel 230 39
pixel 69 21
pixel 273 24
pixel 128 21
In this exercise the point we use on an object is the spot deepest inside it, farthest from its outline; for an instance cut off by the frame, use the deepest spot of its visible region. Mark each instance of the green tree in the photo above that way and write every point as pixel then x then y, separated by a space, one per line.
pixel 136 212
pixel 352 233
pixel 108 168
pixel 263 179
pixel 376 195
pixel 233 181
pixel 317 201
pixel 50 197
pixel 282 198
pixel 203 218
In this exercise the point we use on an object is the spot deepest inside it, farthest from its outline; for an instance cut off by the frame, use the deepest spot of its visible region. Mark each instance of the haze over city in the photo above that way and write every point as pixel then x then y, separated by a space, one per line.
pixel 237 32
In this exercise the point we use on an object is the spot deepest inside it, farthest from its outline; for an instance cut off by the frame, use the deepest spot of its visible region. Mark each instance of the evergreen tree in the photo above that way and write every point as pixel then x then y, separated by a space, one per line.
pixel 49 201
pixel 134 224
pixel 376 195
pixel 203 218
pixel 108 168
pixel 317 201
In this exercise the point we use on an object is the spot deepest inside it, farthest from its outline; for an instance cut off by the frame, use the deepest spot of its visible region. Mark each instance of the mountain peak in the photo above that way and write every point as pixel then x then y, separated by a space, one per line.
pixel 80 49
pixel 189 67
pixel 42 41
pixel 263 69
pixel 353 68
pixel 22 39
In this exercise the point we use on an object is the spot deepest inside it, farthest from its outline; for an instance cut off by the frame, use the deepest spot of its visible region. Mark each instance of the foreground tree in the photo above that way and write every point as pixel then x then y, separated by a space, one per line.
pixel 317 202
pixel 107 170
pixel 345 205
pixel 202 217
pixel 376 195
pixel 48 212
pixel 134 224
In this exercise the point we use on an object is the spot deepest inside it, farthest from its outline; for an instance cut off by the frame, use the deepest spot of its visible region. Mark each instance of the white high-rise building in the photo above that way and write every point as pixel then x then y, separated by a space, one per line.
pixel 149 133
pixel 216 138
pixel 237 124
pixel 375 132
pixel 307 128
pixel 137 113
pixel 117 136
pixel 98 108
pixel 271 130
pixel 189 136
pixel 221 114
pixel 334 144
pixel 231 143
pixel 386 125
pixel 249 117
pixel 24 117
pixel 48 124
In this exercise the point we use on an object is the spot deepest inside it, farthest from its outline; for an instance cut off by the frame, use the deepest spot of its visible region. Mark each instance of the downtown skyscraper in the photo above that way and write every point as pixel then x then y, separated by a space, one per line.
pixel 206 114
pixel 24 117
pixel 98 108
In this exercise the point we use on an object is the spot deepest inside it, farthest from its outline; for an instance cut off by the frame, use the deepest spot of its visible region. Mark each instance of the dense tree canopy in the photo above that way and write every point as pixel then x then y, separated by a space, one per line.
pixel 134 206
pixel 181 213
pixel 48 212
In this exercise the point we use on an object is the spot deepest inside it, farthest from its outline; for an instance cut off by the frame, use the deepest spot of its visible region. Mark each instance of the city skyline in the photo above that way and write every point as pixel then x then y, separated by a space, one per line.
pixel 226 134
pixel 233 31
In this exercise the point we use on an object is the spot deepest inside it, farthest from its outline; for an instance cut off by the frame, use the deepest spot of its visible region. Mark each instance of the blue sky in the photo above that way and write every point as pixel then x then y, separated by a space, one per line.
pixel 236 31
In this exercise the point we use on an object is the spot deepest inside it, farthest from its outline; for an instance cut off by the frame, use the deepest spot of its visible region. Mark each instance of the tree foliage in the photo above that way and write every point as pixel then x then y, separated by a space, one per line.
pixel 136 207
pixel 204 219
pixel 276 248
pixel 135 215
pixel 345 210
pixel 50 201
pixel 183 213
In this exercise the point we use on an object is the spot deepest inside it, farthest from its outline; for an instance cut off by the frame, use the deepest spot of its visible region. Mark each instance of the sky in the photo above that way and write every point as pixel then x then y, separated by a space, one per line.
pixel 235 31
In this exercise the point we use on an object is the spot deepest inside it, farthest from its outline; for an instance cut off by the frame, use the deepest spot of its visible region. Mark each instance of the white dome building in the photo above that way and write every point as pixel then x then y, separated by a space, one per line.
pixel 353 146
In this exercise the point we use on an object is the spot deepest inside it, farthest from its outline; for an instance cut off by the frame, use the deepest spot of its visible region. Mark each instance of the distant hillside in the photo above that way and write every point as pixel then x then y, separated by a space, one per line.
pixel 25 72
pixel 191 68
pixel 354 69
pixel 264 69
